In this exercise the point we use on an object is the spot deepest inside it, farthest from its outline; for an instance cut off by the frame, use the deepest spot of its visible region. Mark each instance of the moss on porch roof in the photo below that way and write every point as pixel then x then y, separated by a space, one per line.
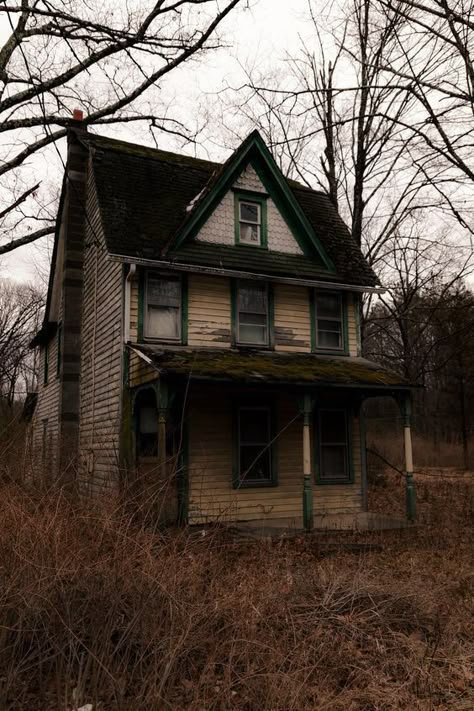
pixel 255 367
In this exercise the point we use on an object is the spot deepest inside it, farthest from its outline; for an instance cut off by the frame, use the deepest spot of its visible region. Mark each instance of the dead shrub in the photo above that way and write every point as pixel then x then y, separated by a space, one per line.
pixel 98 609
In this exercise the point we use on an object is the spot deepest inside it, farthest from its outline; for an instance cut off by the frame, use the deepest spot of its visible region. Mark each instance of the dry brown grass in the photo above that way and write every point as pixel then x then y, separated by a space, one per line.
pixel 97 609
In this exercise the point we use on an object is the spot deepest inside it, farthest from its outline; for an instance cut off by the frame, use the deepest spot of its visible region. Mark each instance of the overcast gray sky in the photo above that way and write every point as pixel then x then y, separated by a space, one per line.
pixel 258 34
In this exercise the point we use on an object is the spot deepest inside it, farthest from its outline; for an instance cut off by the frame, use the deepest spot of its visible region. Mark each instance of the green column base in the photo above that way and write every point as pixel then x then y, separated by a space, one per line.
pixel 410 496
pixel 307 503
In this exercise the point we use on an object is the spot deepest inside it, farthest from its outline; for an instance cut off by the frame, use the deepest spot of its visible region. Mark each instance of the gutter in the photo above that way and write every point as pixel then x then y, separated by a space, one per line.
pixel 128 299
pixel 163 264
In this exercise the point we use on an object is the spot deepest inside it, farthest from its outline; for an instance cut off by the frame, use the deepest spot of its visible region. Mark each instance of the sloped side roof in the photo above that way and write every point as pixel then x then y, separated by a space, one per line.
pixel 145 197
pixel 258 367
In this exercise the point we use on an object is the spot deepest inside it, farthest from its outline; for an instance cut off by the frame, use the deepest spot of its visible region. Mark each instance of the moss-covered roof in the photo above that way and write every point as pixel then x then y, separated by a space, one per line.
pixel 144 198
pixel 271 367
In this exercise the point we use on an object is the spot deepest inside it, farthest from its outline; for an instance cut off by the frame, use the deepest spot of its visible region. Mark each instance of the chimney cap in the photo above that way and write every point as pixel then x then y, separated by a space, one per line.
pixel 77 115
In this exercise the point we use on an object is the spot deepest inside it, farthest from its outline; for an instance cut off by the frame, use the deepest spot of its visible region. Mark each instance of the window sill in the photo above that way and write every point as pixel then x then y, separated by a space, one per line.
pixel 254 484
pixel 253 246
pixel 166 341
pixel 331 352
pixel 334 482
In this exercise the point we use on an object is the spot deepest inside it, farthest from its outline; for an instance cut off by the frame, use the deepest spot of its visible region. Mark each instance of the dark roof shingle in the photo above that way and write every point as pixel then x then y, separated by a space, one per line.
pixel 144 198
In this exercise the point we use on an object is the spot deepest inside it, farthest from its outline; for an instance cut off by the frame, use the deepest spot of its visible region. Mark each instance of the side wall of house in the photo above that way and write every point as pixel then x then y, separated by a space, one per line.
pixel 101 357
pixel 211 495
pixel 45 423
pixel 209 316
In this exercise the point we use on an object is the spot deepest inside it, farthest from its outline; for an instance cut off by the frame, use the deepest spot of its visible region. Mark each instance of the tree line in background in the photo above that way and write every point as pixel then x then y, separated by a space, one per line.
pixel 376 109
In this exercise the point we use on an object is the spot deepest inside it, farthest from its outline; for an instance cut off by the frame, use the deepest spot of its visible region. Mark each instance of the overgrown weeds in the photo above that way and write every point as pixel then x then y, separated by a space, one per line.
pixel 98 609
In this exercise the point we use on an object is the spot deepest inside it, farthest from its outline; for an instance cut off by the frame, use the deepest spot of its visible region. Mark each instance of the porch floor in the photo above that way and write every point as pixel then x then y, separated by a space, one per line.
pixel 361 521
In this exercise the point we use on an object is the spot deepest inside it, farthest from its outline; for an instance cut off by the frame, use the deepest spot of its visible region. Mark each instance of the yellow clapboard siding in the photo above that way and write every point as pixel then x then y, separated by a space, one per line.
pixel 211 495
pixel 291 318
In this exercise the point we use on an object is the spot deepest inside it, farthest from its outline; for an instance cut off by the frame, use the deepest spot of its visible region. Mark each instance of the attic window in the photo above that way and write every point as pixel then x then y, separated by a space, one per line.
pixel 250 220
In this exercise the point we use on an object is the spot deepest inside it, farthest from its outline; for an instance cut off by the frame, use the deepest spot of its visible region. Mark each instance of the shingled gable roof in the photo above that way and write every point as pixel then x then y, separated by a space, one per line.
pixel 148 199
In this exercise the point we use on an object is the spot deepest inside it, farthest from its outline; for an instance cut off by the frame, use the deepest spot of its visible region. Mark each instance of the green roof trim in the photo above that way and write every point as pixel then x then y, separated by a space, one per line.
pixel 147 196
pixel 253 151
pixel 246 366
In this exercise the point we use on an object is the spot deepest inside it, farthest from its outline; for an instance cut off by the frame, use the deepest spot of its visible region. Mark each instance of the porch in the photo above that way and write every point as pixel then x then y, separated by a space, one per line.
pixel 293 478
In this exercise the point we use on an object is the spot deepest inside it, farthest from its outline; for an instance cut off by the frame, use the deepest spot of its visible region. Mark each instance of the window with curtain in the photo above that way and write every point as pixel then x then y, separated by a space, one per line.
pixel 163 307
pixel 252 314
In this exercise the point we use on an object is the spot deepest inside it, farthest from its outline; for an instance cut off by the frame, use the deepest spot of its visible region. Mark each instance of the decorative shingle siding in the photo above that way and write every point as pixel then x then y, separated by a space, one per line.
pixel 219 228
pixel 144 195
pixel 101 358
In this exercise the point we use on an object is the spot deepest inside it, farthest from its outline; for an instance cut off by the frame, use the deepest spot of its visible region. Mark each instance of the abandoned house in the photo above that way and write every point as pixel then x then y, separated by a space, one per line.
pixel 202 332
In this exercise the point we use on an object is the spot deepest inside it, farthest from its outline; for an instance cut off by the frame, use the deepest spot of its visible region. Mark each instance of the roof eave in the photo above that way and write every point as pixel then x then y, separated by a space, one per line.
pixel 240 274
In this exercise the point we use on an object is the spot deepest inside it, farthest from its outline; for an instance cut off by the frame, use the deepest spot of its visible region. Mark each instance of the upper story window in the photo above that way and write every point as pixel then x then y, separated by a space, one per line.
pixel 329 321
pixel 250 219
pixel 250 222
pixel 163 307
pixel 252 326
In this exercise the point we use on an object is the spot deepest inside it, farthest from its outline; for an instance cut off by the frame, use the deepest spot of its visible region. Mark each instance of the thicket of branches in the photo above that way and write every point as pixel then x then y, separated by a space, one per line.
pixel 20 311
pixel 109 59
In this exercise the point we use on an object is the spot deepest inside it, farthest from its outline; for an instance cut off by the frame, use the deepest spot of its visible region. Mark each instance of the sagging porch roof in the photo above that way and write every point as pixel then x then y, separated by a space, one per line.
pixel 240 366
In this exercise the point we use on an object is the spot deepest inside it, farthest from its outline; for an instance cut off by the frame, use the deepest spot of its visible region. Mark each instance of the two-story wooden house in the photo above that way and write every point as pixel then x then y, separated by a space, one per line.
pixel 202 325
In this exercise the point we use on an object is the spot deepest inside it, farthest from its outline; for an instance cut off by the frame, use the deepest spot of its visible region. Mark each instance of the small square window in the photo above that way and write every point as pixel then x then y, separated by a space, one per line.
pixel 252 314
pixel 163 307
pixel 329 321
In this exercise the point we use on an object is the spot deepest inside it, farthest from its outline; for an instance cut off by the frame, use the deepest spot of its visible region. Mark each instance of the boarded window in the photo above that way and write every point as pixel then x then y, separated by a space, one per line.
pixel 163 308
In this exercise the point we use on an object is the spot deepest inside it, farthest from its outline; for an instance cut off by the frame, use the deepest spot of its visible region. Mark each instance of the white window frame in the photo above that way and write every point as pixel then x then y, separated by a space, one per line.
pixel 239 341
pixel 146 331
pixel 258 224
pixel 320 347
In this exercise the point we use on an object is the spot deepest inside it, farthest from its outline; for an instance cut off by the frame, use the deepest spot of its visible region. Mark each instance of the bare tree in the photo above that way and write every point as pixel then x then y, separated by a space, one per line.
pixel 20 310
pixel 436 65
pixel 105 57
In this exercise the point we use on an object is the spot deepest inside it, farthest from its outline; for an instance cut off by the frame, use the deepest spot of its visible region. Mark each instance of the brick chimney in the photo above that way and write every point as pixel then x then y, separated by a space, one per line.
pixel 74 228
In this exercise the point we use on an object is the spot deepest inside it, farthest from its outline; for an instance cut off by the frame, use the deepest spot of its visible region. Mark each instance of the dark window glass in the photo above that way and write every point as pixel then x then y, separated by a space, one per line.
pixel 254 445
pixel 252 314
pixel 334 446
pixel 329 330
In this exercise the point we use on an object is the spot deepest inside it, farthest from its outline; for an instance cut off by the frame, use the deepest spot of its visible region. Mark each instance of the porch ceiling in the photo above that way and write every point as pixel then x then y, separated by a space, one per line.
pixel 271 367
